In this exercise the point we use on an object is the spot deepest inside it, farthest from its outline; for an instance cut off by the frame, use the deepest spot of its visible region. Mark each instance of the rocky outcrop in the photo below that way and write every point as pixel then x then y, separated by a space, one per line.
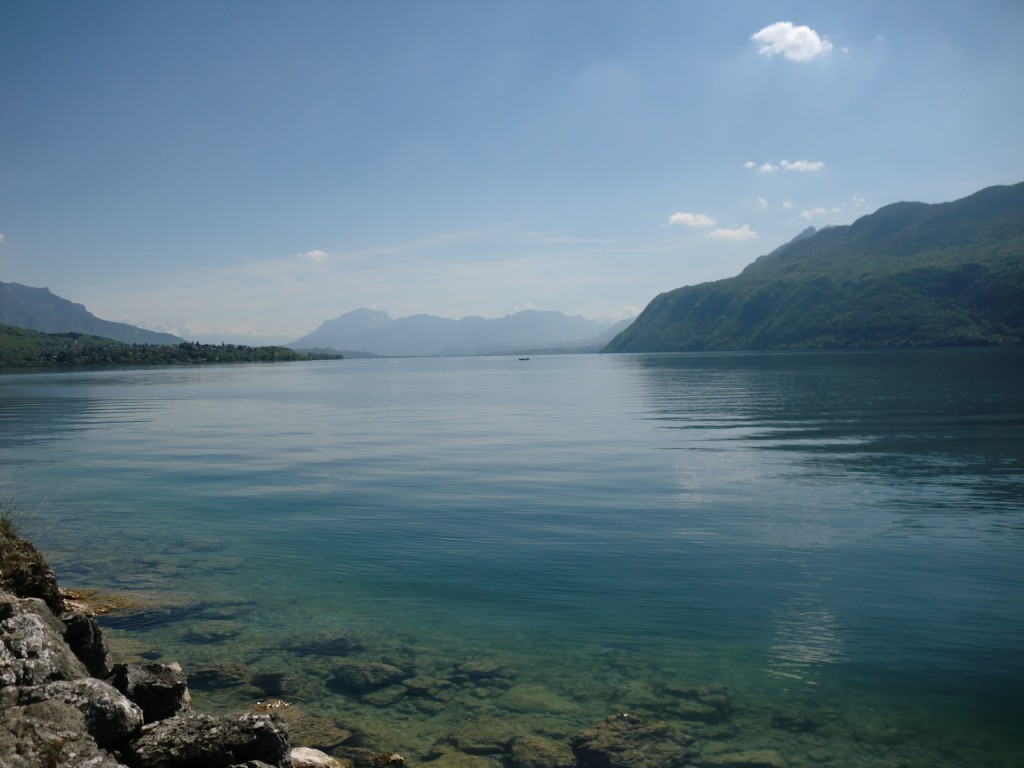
pixel 57 709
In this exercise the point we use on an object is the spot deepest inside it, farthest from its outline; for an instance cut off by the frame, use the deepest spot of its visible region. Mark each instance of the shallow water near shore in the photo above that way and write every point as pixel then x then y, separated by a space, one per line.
pixel 820 554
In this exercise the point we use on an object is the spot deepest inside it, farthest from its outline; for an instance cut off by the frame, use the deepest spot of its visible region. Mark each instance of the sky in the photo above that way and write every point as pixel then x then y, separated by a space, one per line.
pixel 244 171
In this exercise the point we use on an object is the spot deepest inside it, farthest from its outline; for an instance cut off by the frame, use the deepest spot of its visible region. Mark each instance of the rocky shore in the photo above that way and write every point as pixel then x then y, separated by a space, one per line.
pixel 64 703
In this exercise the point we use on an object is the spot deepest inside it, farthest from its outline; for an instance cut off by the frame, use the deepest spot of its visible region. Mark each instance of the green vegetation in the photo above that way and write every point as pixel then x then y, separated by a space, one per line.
pixel 22 348
pixel 907 275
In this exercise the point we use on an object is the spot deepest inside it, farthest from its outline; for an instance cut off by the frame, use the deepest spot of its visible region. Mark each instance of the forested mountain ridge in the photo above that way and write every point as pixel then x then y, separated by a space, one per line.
pixel 910 274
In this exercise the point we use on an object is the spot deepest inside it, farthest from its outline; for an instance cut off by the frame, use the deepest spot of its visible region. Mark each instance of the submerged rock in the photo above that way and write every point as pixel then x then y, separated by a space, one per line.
pixel 764 758
pixel 626 741
pixel 538 752
pixel 363 676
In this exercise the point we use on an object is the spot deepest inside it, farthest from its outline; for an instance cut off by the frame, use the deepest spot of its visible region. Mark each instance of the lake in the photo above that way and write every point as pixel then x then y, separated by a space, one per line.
pixel 820 554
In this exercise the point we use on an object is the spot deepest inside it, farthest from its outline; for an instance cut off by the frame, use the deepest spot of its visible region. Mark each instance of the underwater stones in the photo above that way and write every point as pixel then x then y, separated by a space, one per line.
pixel 426 685
pixel 317 731
pixel 707 703
pixel 161 690
pixel 482 669
pixel 763 758
pixel 794 722
pixel 327 642
pixel 534 698
pixel 486 736
pixel 446 757
pixel 207 741
pixel 218 676
pixel 626 741
pixel 86 641
pixel 383 697
pixel 366 758
pixel 213 631
pixel 538 752
pixel 354 676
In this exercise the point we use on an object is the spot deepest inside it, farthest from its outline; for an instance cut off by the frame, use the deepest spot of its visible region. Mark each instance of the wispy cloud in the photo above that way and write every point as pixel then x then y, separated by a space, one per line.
pixel 315 256
pixel 814 212
pixel 691 219
pixel 740 233
pixel 801 166
pixel 761 202
pixel 2 238
pixel 791 42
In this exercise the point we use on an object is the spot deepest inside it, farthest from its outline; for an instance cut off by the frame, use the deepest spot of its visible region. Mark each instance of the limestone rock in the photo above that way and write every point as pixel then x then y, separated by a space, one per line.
pixel 486 736
pixel 86 640
pixel 362 676
pixel 110 718
pixel 305 757
pixel 626 741
pixel 206 741
pixel 48 733
pixel 538 752
pixel 32 647
pixel 25 573
pixel 161 690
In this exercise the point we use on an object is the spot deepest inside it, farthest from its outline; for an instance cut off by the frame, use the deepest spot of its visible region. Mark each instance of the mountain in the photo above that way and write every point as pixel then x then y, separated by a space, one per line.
pixel 910 274
pixel 375 331
pixel 39 310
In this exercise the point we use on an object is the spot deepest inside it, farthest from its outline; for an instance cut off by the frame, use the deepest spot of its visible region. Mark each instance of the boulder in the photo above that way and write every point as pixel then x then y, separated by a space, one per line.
pixel 305 757
pixel 161 690
pixel 32 647
pixel 25 573
pixel 48 733
pixel 355 676
pixel 626 741
pixel 110 718
pixel 207 741
pixel 86 640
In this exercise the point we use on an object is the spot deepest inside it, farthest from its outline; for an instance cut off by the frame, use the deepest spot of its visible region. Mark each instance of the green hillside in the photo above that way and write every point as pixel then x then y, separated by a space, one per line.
pixel 910 274
pixel 22 348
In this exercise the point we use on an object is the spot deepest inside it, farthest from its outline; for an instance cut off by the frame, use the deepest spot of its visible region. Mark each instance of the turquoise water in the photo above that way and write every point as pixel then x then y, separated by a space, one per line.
pixel 833 542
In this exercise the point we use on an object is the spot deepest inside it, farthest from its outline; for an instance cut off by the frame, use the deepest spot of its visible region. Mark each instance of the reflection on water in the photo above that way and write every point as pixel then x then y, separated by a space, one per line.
pixel 806 636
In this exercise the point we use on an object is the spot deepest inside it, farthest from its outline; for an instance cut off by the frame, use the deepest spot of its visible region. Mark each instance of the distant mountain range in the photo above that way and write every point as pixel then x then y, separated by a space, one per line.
pixel 910 274
pixel 39 310
pixel 376 332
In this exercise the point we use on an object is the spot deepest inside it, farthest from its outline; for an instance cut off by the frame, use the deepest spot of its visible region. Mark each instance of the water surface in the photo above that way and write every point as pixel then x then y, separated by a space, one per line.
pixel 834 538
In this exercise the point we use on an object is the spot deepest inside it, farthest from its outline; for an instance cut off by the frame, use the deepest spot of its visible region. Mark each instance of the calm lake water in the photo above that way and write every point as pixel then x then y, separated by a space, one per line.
pixel 833 543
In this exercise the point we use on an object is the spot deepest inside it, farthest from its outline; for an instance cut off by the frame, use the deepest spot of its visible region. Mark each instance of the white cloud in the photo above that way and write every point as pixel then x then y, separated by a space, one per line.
pixel 314 255
pixel 811 213
pixel 787 203
pixel 750 164
pixel 786 165
pixel 691 219
pixel 802 165
pixel 791 42
pixel 741 233
pixel 2 238
pixel 761 202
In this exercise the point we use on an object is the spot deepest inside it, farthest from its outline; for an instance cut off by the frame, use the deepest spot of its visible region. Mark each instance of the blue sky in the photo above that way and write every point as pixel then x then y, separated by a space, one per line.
pixel 247 170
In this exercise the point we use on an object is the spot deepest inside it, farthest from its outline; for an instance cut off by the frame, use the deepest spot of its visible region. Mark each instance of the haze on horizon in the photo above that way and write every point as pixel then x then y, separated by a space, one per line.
pixel 238 171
